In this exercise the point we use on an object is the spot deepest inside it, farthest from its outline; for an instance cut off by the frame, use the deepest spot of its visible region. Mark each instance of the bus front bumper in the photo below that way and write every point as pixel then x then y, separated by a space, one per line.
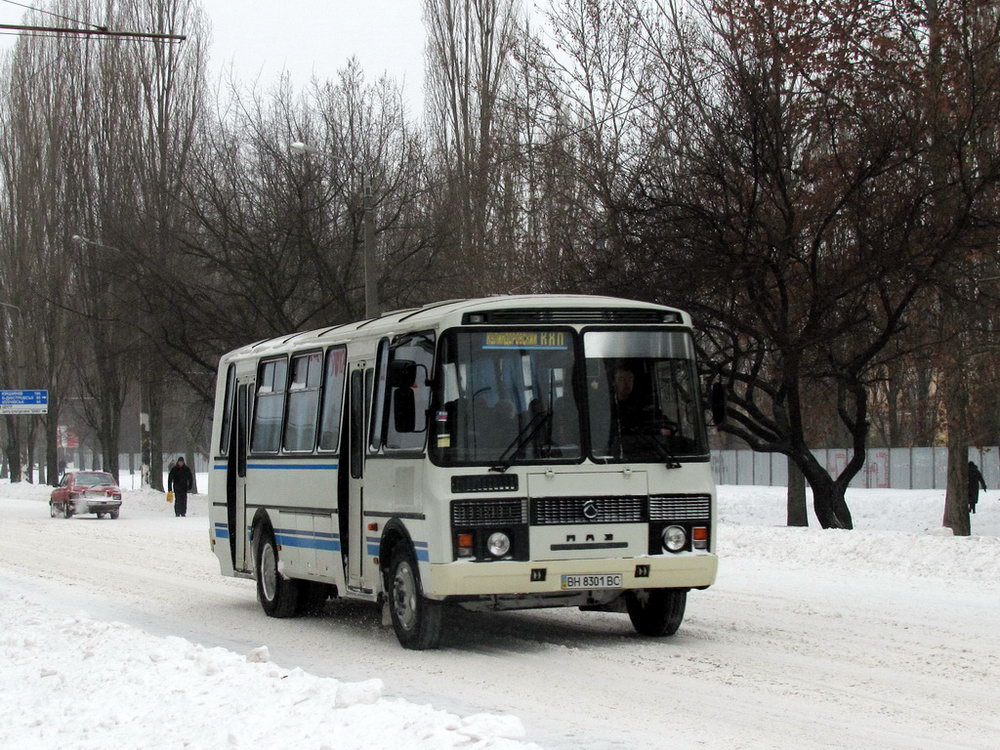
pixel 463 578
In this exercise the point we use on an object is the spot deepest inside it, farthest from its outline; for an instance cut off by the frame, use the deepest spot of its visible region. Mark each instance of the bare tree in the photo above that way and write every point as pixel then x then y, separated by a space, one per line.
pixel 792 215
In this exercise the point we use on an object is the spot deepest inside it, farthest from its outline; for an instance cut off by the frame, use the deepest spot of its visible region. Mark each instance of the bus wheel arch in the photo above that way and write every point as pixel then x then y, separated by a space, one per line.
pixel 277 594
pixel 415 618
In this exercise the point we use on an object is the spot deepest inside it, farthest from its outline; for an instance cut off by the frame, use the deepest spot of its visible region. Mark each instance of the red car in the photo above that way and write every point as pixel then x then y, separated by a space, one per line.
pixel 86 492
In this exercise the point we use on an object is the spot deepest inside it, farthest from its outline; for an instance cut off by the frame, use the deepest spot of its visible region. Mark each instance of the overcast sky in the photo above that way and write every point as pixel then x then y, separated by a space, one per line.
pixel 318 36
pixel 260 39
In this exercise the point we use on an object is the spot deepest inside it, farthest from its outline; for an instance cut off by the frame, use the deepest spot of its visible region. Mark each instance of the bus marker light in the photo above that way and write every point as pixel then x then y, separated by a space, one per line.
pixel 373 527
pixel 465 545
pixel 699 537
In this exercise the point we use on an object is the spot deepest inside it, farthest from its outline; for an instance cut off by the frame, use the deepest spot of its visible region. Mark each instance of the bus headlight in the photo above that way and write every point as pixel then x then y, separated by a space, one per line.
pixel 498 544
pixel 674 538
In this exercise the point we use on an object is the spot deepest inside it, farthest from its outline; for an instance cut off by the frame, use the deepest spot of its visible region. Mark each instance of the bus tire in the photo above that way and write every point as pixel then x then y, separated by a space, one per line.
pixel 277 595
pixel 656 612
pixel 416 619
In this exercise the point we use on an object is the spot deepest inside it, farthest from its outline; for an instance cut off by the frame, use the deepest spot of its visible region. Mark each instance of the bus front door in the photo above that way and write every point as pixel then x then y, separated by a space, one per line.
pixel 352 522
pixel 236 479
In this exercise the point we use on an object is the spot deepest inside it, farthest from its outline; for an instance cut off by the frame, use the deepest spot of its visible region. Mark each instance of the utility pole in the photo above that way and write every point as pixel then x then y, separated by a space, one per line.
pixel 371 299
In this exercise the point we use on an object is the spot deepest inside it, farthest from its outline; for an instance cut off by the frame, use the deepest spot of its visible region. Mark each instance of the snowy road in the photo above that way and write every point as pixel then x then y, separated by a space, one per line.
pixel 872 638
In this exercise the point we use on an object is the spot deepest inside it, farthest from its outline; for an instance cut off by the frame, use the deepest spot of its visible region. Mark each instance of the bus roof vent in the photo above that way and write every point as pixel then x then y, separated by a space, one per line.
pixel 567 315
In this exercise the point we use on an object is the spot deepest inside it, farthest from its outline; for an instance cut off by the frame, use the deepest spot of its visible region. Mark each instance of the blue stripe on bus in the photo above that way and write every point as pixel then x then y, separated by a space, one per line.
pixel 223 467
pixel 221 531
pixel 305 532
pixel 293 466
pixel 305 539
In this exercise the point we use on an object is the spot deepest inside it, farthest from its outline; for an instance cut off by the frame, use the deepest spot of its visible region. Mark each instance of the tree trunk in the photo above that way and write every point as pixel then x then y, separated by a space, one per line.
pixel 52 446
pixel 956 499
pixel 798 514
pixel 145 446
pixel 12 450
pixel 829 503
pixel 156 434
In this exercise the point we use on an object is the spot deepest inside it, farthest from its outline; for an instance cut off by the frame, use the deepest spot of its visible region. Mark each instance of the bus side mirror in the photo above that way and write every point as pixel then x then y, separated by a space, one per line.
pixel 402 373
pixel 717 403
pixel 404 410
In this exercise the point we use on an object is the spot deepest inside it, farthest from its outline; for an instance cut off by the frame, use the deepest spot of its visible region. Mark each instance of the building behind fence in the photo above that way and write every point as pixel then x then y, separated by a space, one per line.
pixel 895 468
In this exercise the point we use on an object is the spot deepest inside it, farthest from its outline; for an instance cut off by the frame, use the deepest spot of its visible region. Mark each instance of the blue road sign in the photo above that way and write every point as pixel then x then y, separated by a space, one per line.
pixel 24 402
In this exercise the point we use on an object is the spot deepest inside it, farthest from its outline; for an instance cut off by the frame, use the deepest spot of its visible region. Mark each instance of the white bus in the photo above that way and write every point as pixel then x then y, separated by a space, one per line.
pixel 498 453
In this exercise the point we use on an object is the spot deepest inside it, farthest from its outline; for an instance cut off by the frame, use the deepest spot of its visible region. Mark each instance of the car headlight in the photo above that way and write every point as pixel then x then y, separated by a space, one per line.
pixel 674 538
pixel 498 544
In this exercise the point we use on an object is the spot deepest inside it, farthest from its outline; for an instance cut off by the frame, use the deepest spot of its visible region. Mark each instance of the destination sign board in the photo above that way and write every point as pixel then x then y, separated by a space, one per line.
pixel 24 402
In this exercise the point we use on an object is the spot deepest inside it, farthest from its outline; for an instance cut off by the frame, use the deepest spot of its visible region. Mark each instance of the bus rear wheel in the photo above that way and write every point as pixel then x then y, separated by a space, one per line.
pixel 656 612
pixel 416 619
pixel 276 594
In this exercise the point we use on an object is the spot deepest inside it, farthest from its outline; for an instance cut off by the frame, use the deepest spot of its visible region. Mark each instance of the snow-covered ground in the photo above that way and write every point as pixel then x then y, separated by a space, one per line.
pixel 123 634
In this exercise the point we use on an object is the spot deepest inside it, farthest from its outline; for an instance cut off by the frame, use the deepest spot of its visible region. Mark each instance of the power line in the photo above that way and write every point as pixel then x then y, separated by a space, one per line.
pixel 96 32
pixel 81 37
pixel 55 15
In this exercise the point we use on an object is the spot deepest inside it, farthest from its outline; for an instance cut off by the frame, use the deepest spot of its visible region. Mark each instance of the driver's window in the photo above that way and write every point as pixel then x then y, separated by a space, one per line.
pixel 419 349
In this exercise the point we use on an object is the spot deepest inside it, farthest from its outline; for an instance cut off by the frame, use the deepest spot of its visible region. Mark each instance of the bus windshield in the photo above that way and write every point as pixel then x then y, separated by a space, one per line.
pixel 506 395
pixel 642 392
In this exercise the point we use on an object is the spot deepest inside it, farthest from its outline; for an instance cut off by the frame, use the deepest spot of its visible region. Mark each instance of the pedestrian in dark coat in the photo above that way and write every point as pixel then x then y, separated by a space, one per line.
pixel 975 482
pixel 180 480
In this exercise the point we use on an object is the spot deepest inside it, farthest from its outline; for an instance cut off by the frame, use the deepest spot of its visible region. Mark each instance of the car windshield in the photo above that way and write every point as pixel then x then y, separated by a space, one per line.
pixel 642 395
pixel 93 479
pixel 506 396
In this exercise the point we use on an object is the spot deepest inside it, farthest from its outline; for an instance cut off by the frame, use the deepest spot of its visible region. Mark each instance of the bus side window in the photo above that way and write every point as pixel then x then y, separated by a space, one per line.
pixel 378 379
pixel 227 410
pixel 268 408
pixel 303 402
pixel 419 349
pixel 333 398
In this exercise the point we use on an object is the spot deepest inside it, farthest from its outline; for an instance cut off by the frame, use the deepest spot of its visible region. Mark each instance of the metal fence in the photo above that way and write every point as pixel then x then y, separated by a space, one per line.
pixel 890 468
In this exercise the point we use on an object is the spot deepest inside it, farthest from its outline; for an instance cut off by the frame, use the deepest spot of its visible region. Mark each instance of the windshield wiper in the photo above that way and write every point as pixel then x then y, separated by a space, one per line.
pixel 522 438
pixel 665 453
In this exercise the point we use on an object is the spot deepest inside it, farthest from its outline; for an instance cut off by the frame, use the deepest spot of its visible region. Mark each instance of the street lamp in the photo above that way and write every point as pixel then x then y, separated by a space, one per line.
pixel 368 218
pixel 145 441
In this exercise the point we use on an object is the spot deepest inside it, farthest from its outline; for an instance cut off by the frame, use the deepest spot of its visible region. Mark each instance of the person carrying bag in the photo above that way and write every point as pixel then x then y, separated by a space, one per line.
pixel 179 483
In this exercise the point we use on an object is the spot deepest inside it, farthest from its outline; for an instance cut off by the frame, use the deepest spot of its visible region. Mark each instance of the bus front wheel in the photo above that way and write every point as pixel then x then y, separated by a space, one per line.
pixel 416 619
pixel 276 594
pixel 656 612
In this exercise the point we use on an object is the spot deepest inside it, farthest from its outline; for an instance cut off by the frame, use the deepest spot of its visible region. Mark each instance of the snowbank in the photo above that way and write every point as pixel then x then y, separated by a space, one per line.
pixel 80 683
pixel 77 682
pixel 897 533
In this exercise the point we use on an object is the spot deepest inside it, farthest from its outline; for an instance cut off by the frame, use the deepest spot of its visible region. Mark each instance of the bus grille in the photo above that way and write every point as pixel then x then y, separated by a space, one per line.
pixel 679 507
pixel 488 512
pixel 564 510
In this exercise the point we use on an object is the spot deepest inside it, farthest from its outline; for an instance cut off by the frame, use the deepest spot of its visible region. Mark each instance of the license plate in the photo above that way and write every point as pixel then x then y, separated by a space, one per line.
pixel 592 581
